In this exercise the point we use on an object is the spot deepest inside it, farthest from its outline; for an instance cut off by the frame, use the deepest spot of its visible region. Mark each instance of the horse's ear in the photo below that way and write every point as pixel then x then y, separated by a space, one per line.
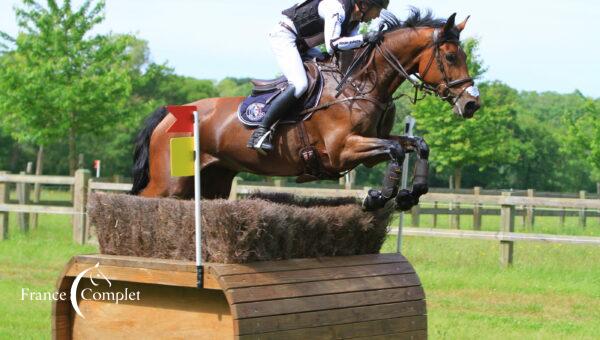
pixel 460 27
pixel 450 23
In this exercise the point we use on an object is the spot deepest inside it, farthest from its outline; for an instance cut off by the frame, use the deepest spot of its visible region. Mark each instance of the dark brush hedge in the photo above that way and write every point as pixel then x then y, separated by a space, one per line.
pixel 260 228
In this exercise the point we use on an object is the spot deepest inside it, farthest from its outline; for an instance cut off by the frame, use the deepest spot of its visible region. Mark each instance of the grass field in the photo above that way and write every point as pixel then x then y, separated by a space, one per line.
pixel 552 291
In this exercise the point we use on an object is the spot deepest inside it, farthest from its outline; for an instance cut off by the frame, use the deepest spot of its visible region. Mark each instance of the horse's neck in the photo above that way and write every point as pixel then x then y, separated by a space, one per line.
pixel 407 45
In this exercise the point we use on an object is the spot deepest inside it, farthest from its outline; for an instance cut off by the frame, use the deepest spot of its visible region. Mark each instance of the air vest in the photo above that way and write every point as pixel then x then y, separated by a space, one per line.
pixel 310 26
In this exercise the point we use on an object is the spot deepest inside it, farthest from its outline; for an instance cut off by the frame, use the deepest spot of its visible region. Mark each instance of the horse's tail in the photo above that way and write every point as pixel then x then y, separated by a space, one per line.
pixel 141 155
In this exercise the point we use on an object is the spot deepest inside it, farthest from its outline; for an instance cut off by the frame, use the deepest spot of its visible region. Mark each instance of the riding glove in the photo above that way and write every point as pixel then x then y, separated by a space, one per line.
pixel 372 37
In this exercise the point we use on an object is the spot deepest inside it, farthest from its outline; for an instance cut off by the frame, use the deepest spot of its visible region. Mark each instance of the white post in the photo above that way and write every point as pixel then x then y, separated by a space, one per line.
pixel 197 202
pixel 409 125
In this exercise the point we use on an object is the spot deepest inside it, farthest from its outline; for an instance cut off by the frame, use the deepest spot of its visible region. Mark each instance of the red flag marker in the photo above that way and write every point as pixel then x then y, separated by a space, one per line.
pixel 184 116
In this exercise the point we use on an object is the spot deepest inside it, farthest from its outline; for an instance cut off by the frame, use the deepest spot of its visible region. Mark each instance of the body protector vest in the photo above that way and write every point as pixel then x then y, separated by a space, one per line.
pixel 310 26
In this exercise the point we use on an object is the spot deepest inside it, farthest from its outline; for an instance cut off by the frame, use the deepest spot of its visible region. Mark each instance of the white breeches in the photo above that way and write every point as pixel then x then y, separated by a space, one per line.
pixel 283 44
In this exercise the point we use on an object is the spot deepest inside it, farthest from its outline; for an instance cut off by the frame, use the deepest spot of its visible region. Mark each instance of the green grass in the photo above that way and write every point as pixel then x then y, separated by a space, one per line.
pixel 551 292
pixel 34 261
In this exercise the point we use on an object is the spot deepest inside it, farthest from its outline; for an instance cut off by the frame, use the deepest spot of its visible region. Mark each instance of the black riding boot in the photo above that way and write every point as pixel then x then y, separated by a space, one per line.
pixel 262 136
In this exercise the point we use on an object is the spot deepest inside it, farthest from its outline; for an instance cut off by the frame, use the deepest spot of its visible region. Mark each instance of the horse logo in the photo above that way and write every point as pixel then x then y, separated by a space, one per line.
pixel 255 112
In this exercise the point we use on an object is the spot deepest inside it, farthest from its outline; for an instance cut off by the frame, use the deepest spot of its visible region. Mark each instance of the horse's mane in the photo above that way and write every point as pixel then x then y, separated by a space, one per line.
pixel 418 18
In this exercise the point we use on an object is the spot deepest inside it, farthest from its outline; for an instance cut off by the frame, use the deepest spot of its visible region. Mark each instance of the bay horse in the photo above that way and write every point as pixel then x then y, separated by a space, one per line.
pixel 347 131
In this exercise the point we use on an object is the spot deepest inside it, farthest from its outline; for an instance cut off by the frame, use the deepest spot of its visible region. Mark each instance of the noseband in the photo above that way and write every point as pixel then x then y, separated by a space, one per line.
pixel 443 89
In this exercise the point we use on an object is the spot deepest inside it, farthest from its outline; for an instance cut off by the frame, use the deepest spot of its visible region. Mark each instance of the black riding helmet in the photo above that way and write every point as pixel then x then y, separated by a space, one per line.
pixel 383 4
pixel 379 3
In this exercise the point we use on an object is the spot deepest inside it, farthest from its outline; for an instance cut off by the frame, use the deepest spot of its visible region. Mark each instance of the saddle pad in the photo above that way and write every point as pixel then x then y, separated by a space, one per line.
pixel 253 109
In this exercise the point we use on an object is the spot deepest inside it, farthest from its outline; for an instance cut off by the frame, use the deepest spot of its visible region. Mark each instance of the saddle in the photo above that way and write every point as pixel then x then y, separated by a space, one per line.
pixel 253 109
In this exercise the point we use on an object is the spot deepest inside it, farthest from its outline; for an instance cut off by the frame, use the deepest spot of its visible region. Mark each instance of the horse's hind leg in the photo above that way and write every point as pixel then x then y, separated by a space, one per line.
pixel 216 181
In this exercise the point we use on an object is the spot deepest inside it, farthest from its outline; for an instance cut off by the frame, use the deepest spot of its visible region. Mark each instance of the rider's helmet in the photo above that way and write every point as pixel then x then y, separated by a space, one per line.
pixel 378 3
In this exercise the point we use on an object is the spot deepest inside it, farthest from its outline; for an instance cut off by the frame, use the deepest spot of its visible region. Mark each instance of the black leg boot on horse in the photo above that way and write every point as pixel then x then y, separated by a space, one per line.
pixel 262 137
pixel 406 199
pixel 377 199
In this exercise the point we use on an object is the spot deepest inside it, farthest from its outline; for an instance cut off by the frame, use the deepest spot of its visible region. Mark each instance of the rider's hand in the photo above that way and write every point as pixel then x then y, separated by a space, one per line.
pixel 373 37
pixel 324 57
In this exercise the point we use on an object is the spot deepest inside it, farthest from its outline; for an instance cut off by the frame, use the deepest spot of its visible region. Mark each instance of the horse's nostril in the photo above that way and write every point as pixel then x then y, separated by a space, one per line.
pixel 470 108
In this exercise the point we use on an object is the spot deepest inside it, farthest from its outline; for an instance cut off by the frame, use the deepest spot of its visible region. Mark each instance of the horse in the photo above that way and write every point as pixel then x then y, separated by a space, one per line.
pixel 349 128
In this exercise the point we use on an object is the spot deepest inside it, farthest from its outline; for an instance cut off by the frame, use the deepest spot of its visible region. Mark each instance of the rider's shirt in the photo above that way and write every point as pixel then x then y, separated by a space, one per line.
pixel 325 21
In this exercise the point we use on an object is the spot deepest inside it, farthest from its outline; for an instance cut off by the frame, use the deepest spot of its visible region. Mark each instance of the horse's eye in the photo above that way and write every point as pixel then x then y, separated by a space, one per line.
pixel 451 57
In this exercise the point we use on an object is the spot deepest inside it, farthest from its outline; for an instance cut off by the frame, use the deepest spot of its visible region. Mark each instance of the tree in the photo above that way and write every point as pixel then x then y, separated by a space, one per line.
pixel 583 136
pixel 233 87
pixel 60 81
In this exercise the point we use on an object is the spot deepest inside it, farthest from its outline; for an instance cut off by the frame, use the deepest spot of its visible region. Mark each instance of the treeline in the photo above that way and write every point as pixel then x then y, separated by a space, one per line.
pixel 76 93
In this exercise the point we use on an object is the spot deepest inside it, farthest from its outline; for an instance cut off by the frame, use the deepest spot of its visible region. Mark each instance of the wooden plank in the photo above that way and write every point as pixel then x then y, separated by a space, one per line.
pixel 459 198
pixel 62 312
pixel 415 216
pixel 41 209
pixel 319 274
pixel 412 335
pixel 529 215
pixel 454 215
pixel 4 193
pixel 325 302
pixel 496 212
pixel 552 202
pixel 512 200
pixel 507 225
pixel 272 292
pixel 149 276
pixel 499 236
pixel 37 188
pixel 57 180
pixel 82 177
pixel 137 262
pixel 151 271
pixel 582 212
pixel 301 264
pixel 477 210
pixel 23 198
pixel 161 312
pixel 353 330
pixel 435 218
pixel 233 193
pixel 110 186
pixel 329 317
pixel 313 192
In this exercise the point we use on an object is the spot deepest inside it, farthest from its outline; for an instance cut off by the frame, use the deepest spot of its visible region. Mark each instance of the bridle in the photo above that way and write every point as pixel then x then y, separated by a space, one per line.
pixel 442 90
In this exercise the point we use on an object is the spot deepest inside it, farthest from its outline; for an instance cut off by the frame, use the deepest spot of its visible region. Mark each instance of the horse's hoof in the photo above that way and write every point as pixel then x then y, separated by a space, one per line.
pixel 405 200
pixel 373 201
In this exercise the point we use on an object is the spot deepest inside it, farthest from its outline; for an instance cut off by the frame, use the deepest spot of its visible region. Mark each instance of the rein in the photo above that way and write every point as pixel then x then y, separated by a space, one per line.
pixel 420 85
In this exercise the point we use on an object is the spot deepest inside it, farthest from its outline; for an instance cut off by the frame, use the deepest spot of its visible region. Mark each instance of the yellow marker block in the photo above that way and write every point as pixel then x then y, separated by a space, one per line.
pixel 182 156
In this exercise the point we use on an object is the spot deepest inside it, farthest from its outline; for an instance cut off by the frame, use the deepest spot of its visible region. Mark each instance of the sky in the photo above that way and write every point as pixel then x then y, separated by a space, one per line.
pixel 530 45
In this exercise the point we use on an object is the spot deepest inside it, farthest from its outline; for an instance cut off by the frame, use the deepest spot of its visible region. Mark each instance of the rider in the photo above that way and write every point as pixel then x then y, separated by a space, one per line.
pixel 303 27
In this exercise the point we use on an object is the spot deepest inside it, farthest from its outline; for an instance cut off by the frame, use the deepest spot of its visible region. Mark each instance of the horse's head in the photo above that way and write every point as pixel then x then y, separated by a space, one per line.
pixel 443 68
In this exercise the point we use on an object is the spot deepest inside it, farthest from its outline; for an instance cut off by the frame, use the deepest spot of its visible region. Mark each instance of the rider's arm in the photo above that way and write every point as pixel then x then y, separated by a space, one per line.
pixel 332 12
pixel 354 40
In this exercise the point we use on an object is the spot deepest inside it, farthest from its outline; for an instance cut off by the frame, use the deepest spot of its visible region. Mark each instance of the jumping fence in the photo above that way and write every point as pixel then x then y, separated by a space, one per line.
pixel 508 205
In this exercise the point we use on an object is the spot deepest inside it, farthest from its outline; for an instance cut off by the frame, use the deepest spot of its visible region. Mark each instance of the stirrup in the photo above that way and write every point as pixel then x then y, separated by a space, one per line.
pixel 260 144
pixel 262 139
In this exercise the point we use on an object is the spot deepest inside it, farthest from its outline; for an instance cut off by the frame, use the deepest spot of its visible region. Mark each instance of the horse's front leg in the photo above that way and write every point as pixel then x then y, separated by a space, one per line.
pixel 360 149
pixel 406 199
